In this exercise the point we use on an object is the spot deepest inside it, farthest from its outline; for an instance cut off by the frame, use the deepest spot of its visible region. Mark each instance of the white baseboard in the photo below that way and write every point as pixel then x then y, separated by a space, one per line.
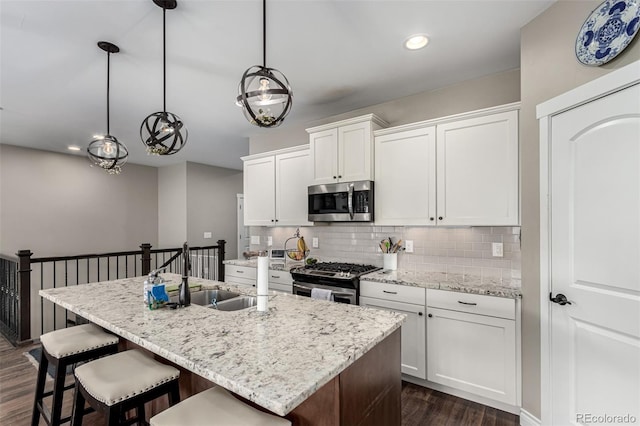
pixel 528 419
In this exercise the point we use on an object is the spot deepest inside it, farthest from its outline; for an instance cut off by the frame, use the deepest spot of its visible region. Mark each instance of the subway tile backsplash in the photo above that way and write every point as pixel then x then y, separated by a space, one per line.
pixel 449 250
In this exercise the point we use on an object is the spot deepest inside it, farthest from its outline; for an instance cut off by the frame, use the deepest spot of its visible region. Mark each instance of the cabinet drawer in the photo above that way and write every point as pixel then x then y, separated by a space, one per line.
pixel 240 281
pixel 240 271
pixel 280 277
pixel 394 292
pixel 473 303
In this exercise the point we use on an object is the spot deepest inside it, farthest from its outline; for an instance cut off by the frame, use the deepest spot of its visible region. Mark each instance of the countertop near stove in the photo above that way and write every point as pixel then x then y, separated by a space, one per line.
pixel 277 359
pixel 443 281
pixel 276 265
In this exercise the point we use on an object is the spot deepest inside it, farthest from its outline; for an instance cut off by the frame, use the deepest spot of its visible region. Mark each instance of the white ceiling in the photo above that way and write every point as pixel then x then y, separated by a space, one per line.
pixel 337 55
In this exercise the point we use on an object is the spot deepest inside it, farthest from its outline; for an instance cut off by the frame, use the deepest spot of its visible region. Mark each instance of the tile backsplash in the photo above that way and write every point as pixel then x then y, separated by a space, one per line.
pixel 450 250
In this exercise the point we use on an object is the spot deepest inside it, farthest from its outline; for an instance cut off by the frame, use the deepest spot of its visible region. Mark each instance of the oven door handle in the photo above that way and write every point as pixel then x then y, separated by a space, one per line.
pixel 335 293
pixel 350 201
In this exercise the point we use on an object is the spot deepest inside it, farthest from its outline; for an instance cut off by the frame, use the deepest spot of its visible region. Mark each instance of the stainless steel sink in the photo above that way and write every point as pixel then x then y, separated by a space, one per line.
pixel 207 297
pixel 236 304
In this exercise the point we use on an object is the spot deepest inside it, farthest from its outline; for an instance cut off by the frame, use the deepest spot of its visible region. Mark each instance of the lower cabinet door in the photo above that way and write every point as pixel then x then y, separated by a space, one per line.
pixel 473 353
pixel 413 334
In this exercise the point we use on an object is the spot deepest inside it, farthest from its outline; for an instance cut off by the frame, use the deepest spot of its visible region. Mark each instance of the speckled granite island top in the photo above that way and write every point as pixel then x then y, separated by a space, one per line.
pixel 276 359
pixel 451 282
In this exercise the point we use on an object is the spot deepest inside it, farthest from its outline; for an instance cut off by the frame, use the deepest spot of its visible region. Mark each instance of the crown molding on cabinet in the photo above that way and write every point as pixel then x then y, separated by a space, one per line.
pixel 442 120
pixel 368 117
pixel 276 152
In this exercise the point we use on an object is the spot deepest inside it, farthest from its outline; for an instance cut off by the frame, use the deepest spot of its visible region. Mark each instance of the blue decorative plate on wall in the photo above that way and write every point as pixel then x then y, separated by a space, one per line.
pixel 608 31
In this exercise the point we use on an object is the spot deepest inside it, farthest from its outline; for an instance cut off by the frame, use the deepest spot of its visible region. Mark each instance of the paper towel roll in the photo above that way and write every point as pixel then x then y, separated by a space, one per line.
pixel 262 284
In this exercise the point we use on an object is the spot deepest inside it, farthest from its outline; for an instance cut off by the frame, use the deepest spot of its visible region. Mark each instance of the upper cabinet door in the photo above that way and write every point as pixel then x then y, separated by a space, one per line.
pixel 293 176
pixel 259 192
pixel 324 155
pixel 478 171
pixel 355 160
pixel 405 177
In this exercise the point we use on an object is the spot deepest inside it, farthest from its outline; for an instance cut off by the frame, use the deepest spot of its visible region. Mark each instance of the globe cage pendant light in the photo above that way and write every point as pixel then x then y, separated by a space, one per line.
pixel 106 151
pixel 264 93
pixel 164 133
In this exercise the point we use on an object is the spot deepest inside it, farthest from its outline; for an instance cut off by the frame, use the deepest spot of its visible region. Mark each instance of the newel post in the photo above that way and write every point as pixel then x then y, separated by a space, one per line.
pixel 221 244
pixel 24 294
pixel 146 258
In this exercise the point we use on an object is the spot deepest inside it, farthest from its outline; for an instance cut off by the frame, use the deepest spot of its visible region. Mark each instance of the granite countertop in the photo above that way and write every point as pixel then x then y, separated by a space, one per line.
pixel 278 265
pixel 276 359
pixel 451 282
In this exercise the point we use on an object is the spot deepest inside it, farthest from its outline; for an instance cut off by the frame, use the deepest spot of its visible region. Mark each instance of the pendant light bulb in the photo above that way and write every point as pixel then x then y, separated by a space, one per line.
pixel 264 90
pixel 105 151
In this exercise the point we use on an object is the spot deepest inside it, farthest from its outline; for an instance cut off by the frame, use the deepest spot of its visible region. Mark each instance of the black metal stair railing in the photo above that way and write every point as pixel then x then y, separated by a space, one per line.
pixel 25 315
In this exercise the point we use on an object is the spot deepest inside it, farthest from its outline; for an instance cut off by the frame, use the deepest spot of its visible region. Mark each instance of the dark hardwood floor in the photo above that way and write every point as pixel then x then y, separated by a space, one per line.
pixel 420 406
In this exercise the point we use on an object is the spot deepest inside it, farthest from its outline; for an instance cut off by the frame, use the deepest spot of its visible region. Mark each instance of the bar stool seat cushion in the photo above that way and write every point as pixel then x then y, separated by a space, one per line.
pixel 215 407
pixel 122 376
pixel 74 340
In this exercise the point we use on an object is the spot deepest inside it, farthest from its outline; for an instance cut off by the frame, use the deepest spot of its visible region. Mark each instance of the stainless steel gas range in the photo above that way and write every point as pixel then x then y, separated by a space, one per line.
pixel 343 279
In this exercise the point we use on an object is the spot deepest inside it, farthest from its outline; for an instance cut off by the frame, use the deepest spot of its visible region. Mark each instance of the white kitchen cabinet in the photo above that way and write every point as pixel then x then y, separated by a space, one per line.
pixel 280 281
pixel 405 177
pixel 411 302
pixel 477 168
pixel 275 188
pixel 471 345
pixel 240 275
pixel 343 151
pixel 451 171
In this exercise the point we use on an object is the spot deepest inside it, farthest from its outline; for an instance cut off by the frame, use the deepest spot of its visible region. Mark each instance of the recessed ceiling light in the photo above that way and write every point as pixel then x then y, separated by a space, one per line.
pixel 415 42
pixel 73 148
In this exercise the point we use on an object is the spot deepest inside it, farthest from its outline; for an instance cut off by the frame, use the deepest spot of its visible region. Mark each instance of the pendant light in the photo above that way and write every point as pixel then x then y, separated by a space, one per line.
pixel 264 93
pixel 105 150
pixel 164 133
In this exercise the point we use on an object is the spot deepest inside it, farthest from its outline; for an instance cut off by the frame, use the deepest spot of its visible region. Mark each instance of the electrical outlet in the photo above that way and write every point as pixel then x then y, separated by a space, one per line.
pixel 207 235
pixel 255 239
pixel 408 246
pixel 269 241
pixel 497 250
pixel 314 242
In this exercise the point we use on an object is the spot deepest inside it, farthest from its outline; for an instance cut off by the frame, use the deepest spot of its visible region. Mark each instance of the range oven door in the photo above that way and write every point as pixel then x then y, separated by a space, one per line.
pixel 341 202
pixel 340 295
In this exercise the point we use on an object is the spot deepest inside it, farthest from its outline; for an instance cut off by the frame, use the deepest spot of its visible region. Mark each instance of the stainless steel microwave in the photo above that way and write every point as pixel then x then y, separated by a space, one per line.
pixel 341 202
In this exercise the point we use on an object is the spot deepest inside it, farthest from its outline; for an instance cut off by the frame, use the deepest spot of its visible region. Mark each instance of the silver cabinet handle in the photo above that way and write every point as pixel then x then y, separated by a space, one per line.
pixel 275 276
pixel 467 303
pixel 240 272
pixel 389 292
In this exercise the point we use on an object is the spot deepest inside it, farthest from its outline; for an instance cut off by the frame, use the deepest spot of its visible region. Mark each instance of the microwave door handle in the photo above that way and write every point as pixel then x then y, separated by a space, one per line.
pixel 350 201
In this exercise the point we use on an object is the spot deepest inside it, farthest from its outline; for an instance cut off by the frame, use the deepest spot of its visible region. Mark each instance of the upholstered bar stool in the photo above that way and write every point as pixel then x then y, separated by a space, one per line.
pixel 121 382
pixel 215 407
pixel 62 348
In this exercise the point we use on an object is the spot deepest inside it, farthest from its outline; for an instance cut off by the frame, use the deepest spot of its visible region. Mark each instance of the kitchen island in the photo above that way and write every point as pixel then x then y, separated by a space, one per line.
pixel 313 362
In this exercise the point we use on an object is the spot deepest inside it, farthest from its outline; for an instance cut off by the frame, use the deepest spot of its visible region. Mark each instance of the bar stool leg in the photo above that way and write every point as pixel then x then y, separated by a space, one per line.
pixel 140 414
pixel 78 407
pixel 42 374
pixel 58 392
pixel 174 395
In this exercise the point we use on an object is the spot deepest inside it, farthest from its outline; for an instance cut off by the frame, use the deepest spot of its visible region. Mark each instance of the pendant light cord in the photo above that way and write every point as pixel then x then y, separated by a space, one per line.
pixel 264 33
pixel 164 60
pixel 108 79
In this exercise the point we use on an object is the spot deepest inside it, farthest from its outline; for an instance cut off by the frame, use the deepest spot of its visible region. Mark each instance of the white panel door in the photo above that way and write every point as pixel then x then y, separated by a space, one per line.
pixel 259 192
pixel 595 259
pixel 478 171
pixel 293 176
pixel 413 350
pixel 473 353
pixel 405 178
pixel 324 156
pixel 354 152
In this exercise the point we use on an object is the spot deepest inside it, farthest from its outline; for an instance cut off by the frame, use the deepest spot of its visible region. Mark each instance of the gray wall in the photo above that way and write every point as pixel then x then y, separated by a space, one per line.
pixel 56 204
pixel 172 205
pixel 211 201
pixel 488 91
pixel 548 68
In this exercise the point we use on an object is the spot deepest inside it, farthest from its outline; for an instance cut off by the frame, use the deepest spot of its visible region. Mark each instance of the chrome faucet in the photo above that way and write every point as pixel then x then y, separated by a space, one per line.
pixel 184 297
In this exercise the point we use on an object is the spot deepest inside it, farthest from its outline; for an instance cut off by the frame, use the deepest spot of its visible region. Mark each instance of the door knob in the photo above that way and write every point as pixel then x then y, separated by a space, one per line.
pixel 560 299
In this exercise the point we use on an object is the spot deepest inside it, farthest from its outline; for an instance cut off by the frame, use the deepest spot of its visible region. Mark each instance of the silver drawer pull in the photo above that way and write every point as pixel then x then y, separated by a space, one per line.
pixel 390 292
pixel 240 272
pixel 467 303
pixel 275 276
